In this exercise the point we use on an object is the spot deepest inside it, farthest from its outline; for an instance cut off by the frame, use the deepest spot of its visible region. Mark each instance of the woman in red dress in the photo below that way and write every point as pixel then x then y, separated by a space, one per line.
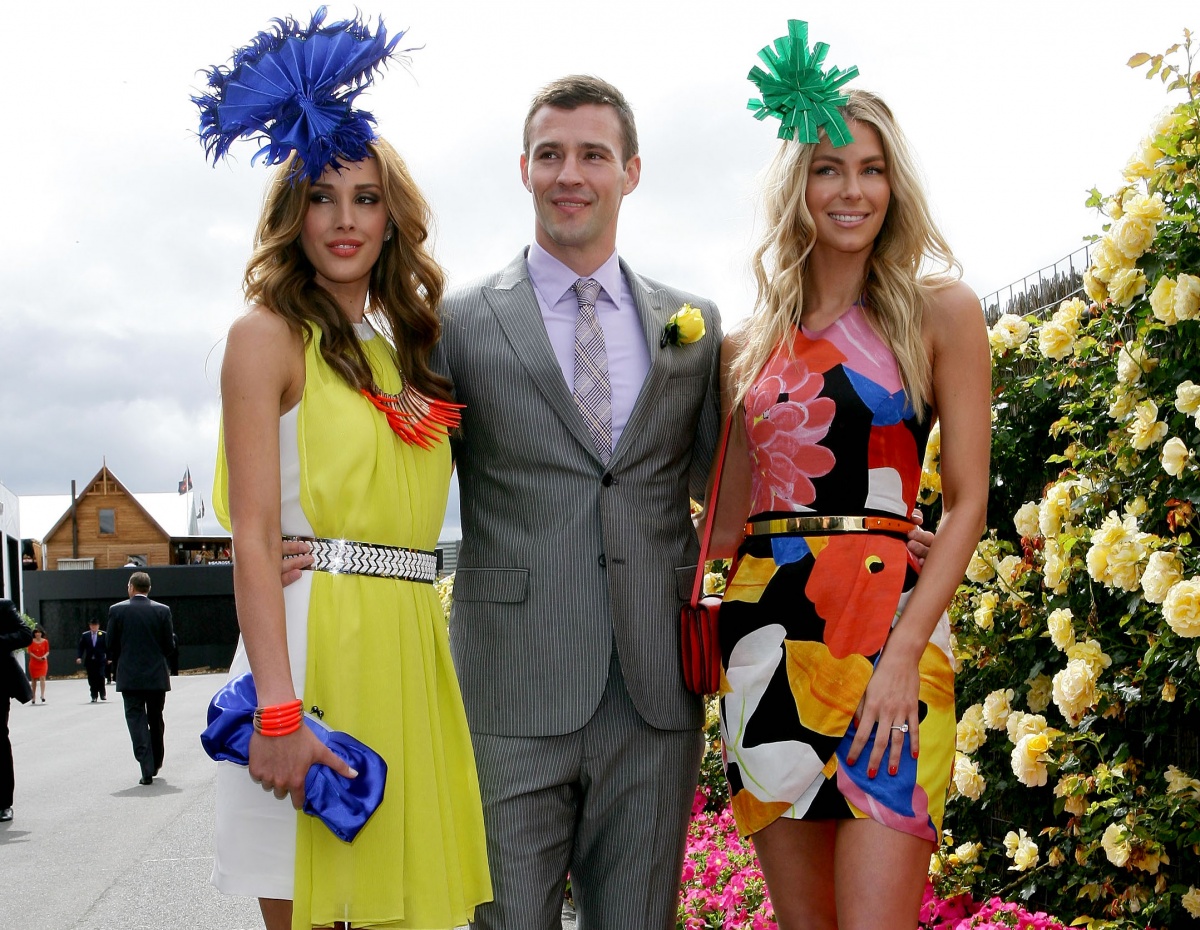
pixel 39 649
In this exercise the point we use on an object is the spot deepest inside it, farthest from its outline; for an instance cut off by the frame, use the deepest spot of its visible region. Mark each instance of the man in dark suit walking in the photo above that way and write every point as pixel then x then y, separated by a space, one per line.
pixel 92 654
pixel 140 637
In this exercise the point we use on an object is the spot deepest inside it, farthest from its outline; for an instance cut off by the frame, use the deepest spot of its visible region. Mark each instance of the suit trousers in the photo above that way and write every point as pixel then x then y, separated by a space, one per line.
pixel 609 802
pixel 6 758
pixel 144 717
pixel 95 673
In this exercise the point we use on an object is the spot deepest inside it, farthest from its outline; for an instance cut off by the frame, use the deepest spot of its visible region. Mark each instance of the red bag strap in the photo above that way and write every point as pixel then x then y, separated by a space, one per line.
pixel 711 510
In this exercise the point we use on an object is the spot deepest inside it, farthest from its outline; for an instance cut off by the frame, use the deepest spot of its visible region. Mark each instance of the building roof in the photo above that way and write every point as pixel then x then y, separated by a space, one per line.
pixel 42 513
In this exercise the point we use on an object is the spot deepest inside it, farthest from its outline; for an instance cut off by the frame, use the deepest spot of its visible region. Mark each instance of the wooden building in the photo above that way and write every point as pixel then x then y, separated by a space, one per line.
pixel 106 527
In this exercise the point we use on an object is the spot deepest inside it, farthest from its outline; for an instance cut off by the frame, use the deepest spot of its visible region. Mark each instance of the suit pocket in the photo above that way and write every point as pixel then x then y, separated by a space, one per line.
pixel 492 585
pixel 685 577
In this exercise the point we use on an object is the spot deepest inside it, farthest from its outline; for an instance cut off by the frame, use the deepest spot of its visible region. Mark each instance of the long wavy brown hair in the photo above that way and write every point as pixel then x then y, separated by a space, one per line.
pixel 405 288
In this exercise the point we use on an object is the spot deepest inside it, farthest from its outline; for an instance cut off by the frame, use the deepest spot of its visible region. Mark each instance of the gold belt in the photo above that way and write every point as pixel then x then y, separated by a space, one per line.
pixel 813 525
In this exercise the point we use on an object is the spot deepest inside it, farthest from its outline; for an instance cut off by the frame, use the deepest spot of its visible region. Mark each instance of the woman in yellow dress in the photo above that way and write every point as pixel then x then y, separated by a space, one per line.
pixel 334 429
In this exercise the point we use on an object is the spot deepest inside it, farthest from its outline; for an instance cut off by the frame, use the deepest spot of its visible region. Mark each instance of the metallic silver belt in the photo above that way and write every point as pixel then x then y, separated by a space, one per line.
pixel 817 525
pixel 347 557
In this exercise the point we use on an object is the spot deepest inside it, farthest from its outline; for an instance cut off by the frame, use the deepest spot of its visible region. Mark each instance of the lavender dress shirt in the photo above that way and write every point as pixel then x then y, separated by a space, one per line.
pixel 624 341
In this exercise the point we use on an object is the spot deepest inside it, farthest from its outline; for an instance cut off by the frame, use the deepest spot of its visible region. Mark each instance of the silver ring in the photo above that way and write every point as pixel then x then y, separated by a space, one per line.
pixel 903 728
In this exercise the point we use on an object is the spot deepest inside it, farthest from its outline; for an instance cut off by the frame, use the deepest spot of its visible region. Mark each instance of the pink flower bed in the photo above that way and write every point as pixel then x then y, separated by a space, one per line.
pixel 723 887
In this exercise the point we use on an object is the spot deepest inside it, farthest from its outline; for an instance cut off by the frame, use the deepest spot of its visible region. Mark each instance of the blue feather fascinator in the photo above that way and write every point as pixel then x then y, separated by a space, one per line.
pixel 294 87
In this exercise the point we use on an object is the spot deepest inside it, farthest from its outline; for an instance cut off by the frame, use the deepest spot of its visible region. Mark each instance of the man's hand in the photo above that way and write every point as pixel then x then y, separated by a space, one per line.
pixel 79 661
pixel 297 556
pixel 920 540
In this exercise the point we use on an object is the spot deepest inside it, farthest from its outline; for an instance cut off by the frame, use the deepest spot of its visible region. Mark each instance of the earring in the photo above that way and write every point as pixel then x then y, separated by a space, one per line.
pixel 387 236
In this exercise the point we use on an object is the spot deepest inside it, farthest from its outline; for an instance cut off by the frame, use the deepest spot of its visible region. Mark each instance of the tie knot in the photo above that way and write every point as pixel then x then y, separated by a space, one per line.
pixel 587 290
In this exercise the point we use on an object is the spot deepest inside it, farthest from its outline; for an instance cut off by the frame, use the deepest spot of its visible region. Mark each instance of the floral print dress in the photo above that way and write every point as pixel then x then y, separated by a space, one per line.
pixel 830 432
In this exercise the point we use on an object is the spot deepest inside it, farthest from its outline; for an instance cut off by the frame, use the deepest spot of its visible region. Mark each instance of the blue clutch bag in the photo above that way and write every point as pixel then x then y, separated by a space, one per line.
pixel 343 804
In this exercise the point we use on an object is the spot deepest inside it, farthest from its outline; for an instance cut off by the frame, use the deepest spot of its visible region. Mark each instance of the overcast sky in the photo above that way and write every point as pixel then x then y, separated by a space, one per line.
pixel 124 248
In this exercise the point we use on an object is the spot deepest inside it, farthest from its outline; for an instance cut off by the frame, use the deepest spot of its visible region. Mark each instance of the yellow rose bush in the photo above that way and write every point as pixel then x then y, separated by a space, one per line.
pixel 1077 775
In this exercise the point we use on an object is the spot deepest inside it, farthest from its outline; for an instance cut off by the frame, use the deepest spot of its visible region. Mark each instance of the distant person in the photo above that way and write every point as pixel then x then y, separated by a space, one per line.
pixel 13 635
pixel 140 638
pixel 39 664
pixel 92 654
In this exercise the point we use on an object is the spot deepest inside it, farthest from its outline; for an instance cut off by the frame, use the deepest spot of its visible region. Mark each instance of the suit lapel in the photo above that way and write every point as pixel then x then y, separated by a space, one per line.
pixel 654 317
pixel 516 309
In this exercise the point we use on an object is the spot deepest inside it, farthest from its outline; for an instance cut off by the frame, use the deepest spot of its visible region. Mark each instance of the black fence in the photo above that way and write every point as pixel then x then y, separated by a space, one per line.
pixel 200 598
pixel 1040 292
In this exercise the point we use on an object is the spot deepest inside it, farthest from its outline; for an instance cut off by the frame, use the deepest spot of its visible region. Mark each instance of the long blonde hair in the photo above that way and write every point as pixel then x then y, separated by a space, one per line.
pixel 897 285
pixel 405 288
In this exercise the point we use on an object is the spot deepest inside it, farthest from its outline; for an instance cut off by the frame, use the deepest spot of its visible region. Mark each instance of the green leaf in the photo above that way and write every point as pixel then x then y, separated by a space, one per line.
pixel 1138 60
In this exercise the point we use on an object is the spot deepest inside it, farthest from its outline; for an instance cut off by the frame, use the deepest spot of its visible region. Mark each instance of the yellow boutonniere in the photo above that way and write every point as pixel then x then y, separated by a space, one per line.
pixel 685 327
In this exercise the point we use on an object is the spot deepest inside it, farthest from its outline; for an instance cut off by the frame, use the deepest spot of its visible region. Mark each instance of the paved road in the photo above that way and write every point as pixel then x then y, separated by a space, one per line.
pixel 91 849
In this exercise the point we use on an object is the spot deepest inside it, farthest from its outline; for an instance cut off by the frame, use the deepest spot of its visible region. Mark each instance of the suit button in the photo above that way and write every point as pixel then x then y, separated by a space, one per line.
pixel 601 560
pixel 608 480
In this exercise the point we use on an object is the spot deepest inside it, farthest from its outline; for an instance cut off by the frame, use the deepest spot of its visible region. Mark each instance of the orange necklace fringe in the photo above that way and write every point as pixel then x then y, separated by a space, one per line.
pixel 417 419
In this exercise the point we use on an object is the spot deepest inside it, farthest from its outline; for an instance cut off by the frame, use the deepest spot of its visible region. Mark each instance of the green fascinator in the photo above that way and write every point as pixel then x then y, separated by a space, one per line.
pixel 797 92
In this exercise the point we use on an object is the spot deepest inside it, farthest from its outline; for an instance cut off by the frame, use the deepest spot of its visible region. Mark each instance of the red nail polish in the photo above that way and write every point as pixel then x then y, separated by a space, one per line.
pixel 892 770
pixel 914 753
pixel 871 773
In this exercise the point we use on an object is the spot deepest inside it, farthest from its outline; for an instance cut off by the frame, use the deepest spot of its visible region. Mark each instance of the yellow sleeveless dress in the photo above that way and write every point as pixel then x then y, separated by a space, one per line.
pixel 379 667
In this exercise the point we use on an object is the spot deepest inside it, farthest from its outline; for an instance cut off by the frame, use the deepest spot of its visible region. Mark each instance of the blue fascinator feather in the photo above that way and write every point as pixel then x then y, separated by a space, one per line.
pixel 294 87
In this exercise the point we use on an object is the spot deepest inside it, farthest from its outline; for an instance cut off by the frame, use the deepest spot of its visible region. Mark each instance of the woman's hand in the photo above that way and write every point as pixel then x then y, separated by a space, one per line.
pixel 281 763
pixel 890 703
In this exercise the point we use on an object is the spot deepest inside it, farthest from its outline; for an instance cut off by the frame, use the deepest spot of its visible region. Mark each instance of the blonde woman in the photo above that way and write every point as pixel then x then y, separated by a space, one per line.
pixel 838 719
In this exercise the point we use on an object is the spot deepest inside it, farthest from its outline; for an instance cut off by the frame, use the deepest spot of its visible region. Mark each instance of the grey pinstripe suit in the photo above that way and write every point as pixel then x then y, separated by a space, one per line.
pixel 562 560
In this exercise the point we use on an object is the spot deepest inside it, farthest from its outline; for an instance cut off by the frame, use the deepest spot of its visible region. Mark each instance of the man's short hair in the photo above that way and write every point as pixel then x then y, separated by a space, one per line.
pixel 140 582
pixel 94 621
pixel 577 90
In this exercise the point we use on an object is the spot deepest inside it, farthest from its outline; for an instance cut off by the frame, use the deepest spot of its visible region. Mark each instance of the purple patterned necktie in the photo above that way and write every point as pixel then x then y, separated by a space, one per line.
pixel 593 391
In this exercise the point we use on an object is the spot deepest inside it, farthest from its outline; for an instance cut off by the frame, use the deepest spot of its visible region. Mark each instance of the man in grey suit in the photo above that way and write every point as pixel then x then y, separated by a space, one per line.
pixel 140 638
pixel 578 548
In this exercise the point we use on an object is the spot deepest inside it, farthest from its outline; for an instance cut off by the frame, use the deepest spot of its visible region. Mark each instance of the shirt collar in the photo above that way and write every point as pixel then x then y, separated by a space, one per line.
pixel 553 279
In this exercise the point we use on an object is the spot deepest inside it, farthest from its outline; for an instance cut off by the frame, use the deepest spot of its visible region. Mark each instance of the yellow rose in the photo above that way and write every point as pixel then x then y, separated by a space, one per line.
pixel 971 733
pixel 1136 507
pixel 967 780
pixel 984 612
pixel 1141 165
pixel 1041 692
pixel 1132 363
pixel 1144 428
pixel 1094 287
pixel 1117 550
pixel 1127 284
pixel 1107 260
pixel 1181 607
pixel 1122 404
pixel 980 567
pixel 1056 567
pixel 1028 759
pixel 1162 573
pixel 1191 901
pixel 1074 690
pixel 1179 782
pixel 1091 653
pixel 1116 844
pixel 968 853
pixel 1055 509
pixel 684 327
pixel 1055 340
pixel 1010 568
pixel 1174 456
pixel 1070 313
pixel 1009 332
pixel 1187 297
pixel 1150 208
pixel 1187 398
pixel 1132 234
pixel 1021 724
pixel 996 708
pixel 1061 624
pixel 1026 520
pixel 1021 849
pixel 1162 301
